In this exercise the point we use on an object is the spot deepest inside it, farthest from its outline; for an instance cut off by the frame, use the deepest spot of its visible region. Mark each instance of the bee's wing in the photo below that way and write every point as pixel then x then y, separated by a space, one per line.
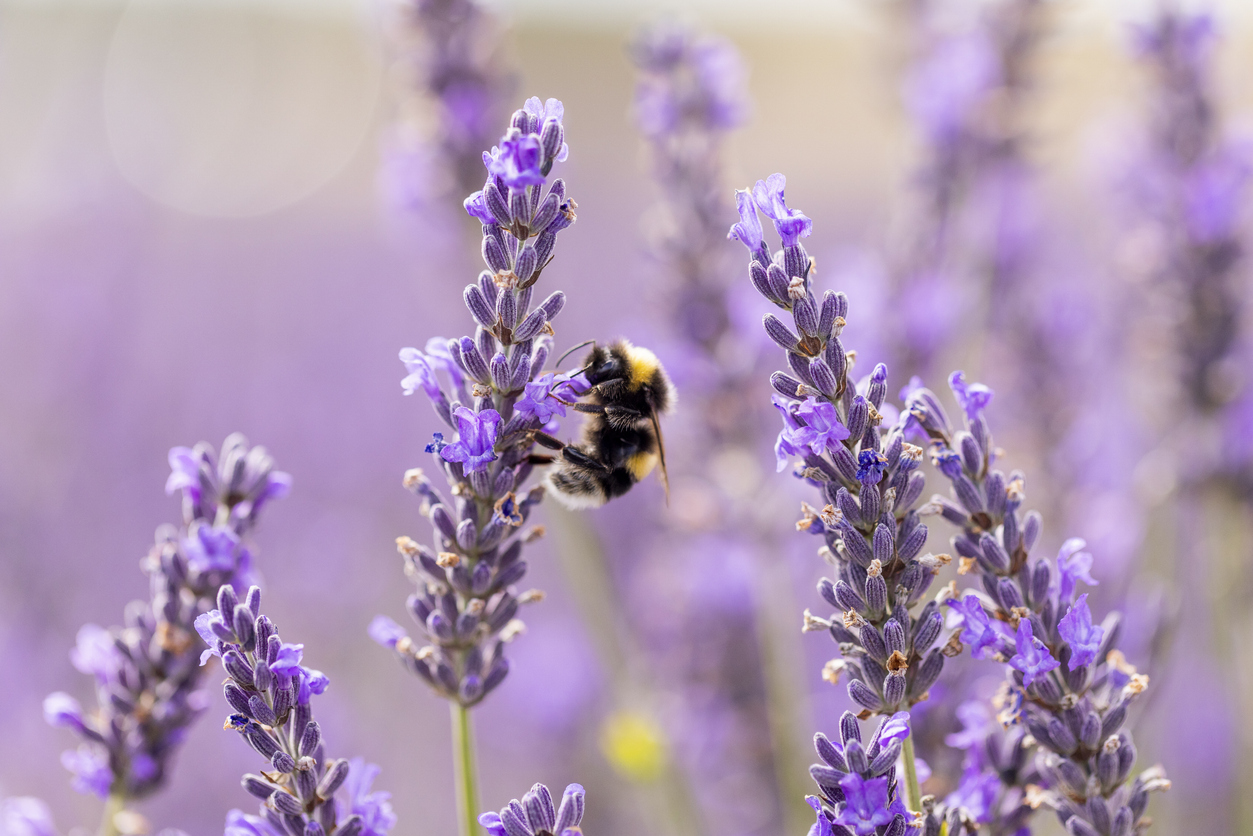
pixel 661 455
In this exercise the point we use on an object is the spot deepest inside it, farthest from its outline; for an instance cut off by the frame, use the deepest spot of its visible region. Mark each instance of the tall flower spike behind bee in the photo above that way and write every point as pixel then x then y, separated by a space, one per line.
pixel 451 54
pixel 148 672
pixel 1066 682
pixel 845 445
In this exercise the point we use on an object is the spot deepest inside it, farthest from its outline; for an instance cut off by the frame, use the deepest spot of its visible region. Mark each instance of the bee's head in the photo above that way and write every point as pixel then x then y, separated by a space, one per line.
pixel 638 367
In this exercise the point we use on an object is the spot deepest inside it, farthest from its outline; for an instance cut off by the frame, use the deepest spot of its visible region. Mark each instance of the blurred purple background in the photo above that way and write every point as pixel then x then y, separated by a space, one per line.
pixel 193 242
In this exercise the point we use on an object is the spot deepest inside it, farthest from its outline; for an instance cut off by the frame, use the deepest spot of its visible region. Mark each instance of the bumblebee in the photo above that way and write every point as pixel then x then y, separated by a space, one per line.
pixel 621 439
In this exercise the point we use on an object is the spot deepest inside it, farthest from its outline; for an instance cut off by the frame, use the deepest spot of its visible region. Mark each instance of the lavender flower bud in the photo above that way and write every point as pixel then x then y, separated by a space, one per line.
pixel 805 314
pixel 777 331
pixel 479 307
pixel 494 254
pixel 257 786
pixel 333 778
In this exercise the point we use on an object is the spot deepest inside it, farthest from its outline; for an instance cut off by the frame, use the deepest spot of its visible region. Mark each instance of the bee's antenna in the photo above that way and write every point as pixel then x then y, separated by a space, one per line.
pixel 574 349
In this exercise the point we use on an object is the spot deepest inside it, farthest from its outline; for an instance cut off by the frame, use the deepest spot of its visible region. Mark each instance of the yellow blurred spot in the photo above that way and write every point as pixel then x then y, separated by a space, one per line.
pixel 634 745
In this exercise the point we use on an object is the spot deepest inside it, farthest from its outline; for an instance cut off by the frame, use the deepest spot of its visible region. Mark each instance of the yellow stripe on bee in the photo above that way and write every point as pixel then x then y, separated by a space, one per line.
pixel 641 464
pixel 643 363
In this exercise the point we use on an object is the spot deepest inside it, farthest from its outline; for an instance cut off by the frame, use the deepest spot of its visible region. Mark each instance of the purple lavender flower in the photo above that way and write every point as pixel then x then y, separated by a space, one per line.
pixel 286 660
pixel 63 711
pixel 477 432
pixel 517 161
pixel 26 817
pixel 543 397
pixel 1033 657
pixel 270 694
pixel 1187 191
pixel 239 823
pixel 791 224
pixel 1073 565
pixel 95 653
pixel 866 475
pixel 977 628
pixel 536 815
pixel 976 720
pixel 973 398
pixel 859 793
pixel 867 804
pixel 1080 634
pixel 420 374
pixel 148 672
pixel 977 794
pixel 1074 714
pixel 748 230
pixel 374 808
pixel 90 768
pixel 495 396
pixel 211 549
pixel 386 632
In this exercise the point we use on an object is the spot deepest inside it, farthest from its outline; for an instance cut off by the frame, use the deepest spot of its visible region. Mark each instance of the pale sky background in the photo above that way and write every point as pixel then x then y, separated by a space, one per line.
pixel 726 12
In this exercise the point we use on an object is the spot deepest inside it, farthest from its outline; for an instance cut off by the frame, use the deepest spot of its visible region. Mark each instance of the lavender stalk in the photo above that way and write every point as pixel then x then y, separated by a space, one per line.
pixel 303 792
pixel 494 396
pixel 147 672
pixel 865 474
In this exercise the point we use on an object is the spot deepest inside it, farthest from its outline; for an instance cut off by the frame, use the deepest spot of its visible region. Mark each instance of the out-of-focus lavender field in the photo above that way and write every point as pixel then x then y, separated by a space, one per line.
pixel 200 234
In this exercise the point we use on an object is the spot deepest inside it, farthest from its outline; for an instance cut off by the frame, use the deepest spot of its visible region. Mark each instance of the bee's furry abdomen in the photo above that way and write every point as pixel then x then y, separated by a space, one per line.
pixel 576 489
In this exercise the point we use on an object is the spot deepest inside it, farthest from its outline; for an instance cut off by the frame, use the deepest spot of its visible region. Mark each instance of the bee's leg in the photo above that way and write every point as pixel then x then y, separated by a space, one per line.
pixel 582 460
pixel 622 417
pixel 543 439
pixel 539 458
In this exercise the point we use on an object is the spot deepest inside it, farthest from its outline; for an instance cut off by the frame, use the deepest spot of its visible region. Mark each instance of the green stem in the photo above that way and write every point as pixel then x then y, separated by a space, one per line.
pixel 114 804
pixel 913 792
pixel 463 765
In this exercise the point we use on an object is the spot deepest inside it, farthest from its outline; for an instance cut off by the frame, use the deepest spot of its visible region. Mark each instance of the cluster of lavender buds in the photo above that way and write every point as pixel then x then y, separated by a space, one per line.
pixel 147 672
pixel 866 473
pixel 495 396
pixel 1066 681
pixel 458 65
pixel 536 815
pixel 689 96
pixel 303 793
pixel 857 781
pixel 1190 192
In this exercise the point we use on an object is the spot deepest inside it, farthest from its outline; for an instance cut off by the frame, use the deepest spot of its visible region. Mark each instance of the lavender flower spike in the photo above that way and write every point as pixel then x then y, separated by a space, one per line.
pixel 147 672
pixel 270 693
pixel 867 484
pixel 858 791
pixel 536 815
pixel 495 396
pixel 1065 681
pixel 491 390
